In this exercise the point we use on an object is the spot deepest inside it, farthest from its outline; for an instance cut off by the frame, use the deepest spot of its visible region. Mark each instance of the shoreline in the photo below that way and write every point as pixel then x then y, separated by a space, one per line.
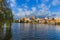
pixel 41 23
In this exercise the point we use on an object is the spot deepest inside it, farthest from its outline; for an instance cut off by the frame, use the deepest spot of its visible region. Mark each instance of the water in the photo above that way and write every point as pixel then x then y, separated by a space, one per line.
pixel 26 31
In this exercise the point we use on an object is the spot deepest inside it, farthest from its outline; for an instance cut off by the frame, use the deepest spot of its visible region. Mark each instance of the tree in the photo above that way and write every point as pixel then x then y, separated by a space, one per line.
pixel 5 12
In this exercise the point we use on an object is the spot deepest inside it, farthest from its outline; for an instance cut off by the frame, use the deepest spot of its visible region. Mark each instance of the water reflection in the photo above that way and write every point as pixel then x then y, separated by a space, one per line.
pixel 5 33
pixel 1 35
pixel 35 32
pixel 26 31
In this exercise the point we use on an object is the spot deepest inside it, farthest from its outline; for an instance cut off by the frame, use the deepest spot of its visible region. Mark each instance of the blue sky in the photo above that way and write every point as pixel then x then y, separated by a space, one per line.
pixel 22 8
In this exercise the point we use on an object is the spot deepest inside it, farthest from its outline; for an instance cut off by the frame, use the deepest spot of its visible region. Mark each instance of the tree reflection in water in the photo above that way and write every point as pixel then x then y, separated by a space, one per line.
pixel 7 35
pixel 1 33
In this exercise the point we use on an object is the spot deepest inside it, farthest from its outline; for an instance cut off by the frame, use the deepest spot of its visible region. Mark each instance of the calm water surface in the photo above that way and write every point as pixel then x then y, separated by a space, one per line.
pixel 26 31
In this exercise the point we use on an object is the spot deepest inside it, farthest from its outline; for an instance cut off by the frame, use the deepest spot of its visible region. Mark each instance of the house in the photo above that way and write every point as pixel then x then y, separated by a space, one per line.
pixel 51 21
pixel 39 20
pixel 27 20
pixel 46 18
pixel 57 20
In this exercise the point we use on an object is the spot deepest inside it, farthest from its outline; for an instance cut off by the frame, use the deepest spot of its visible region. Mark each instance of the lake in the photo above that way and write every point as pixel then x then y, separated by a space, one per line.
pixel 26 31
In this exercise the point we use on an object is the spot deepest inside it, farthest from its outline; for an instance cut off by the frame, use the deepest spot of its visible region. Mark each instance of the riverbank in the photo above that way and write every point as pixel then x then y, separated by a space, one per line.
pixel 46 20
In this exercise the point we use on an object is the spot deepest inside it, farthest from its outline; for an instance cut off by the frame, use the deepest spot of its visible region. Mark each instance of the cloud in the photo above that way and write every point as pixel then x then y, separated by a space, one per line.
pixel 42 6
pixel 43 9
pixel 12 3
pixel 56 13
pixel 22 12
pixel 33 9
pixel 25 12
pixel 55 2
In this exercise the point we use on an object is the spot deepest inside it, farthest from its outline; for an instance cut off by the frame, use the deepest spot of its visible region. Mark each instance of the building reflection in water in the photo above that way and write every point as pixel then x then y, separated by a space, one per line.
pixel 5 33
pixel 38 32
pixel 26 31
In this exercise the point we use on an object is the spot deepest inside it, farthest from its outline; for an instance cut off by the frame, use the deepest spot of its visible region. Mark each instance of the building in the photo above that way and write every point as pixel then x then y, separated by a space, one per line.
pixel 51 21
pixel 27 20
pixel 33 18
pixel 39 20
pixel 46 18
pixel 57 20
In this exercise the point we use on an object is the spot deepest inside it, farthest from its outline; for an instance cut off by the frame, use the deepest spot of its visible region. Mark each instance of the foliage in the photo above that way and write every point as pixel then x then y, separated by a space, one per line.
pixel 5 12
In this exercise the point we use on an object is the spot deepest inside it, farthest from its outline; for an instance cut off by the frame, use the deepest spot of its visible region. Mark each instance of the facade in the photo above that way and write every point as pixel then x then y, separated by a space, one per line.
pixel 27 20
pixel 40 20
pixel 46 18
pixel 57 20
pixel 33 18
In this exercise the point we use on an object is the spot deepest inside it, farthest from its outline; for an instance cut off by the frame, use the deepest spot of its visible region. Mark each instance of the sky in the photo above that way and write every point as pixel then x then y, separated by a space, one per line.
pixel 38 8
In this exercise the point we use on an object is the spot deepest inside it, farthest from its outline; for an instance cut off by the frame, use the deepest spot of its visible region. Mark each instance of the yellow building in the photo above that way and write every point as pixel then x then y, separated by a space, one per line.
pixel 57 20
pixel 39 20
pixel 27 20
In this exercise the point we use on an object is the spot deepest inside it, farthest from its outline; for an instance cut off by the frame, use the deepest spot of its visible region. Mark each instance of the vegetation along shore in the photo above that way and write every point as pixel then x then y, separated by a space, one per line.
pixel 45 20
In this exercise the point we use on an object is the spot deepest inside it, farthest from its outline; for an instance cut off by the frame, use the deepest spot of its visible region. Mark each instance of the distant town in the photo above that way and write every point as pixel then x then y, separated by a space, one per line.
pixel 45 20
